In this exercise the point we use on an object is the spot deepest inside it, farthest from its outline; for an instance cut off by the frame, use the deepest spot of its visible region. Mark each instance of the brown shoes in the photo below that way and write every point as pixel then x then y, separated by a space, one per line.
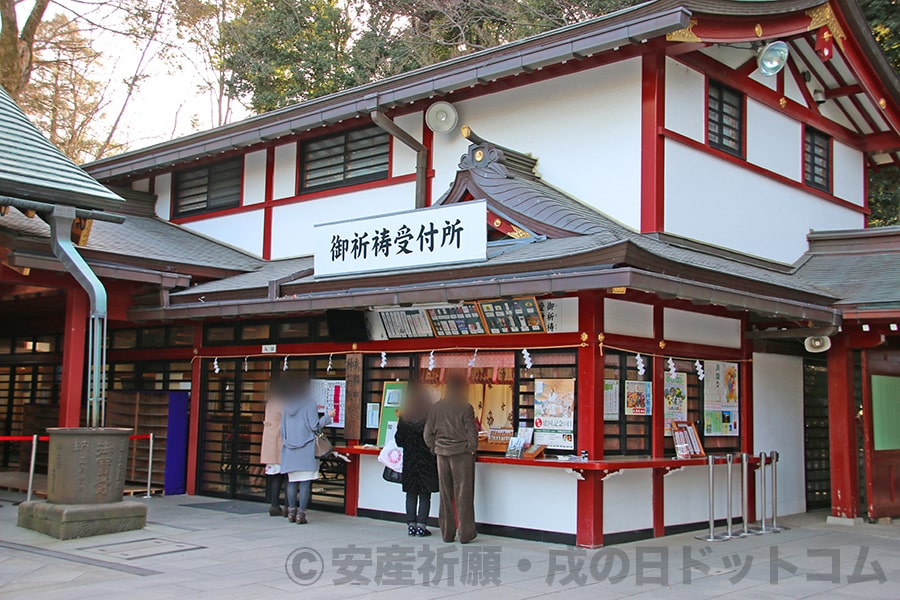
pixel 292 515
pixel 275 511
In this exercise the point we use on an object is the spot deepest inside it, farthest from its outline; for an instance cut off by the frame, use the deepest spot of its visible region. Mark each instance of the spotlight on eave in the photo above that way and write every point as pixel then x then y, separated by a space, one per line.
pixel 772 58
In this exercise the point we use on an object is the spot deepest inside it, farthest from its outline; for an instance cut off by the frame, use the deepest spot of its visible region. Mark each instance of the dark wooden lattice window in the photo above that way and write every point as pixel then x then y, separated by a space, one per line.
pixel 348 158
pixel 817 159
pixel 212 187
pixel 725 119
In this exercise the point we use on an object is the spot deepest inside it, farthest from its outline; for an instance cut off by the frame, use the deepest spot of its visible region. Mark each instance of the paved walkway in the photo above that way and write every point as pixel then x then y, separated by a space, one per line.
pixel 206 548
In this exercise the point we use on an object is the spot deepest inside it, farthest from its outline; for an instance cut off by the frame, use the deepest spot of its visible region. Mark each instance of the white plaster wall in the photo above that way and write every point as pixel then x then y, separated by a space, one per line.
pixel 728 55
pixel 284 183
pixel 254 190
pixel 293 224
pixel 778 425
pixel 685 101
pixel 774 141
pixel 792 88
pixel 627 318
pixel 830 110
pixel 244 230
pixel 540 498
pixel 628 501
pixel 770 82
pixel 163 189
pixel 699 328
pixel 849 173
pixel 722 207
pixel 403 158
pixel 687 496
pixel 584 129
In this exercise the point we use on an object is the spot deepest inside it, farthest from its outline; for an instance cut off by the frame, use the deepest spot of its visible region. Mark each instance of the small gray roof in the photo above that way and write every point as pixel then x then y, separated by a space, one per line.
pixel 32 168
pixel 256 279
pixel 143 238
pixel 860 267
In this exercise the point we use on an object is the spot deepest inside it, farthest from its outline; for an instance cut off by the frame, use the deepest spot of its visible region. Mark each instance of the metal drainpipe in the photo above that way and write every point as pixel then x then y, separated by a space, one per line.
pixel 392 128
pixel 60 220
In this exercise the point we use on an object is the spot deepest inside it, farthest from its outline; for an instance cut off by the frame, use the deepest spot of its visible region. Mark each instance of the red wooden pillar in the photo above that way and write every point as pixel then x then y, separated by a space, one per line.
pixel 194 426
pixel 71 389
pixel 351 477
pixel 746 423
pixel 658 427
pixel 589 532
pixel 653 110
pixel 842 430
pixel 268 210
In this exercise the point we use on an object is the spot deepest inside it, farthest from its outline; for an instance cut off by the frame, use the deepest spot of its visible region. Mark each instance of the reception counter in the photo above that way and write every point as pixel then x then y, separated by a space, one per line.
pixel 539 498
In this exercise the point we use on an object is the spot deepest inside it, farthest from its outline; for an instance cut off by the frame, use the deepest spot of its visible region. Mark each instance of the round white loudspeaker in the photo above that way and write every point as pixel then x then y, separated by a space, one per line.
pixel 817 343
pixel 441 117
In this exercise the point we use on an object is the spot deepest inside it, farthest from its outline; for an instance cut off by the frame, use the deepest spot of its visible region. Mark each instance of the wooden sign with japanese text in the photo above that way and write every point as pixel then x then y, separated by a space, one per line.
pixel 432 236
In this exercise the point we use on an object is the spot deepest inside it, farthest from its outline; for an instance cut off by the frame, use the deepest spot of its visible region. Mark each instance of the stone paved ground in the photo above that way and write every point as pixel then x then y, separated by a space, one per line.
pixel 190 552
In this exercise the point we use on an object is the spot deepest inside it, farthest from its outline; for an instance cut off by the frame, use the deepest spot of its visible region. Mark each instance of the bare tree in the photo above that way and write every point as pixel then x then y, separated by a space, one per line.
pixel 17 45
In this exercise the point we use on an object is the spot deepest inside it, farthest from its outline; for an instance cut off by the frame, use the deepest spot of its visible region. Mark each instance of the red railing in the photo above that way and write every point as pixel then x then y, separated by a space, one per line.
pixel 34 439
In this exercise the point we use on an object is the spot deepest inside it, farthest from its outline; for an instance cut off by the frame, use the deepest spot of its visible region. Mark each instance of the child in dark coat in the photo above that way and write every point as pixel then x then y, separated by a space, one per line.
pixel 420 476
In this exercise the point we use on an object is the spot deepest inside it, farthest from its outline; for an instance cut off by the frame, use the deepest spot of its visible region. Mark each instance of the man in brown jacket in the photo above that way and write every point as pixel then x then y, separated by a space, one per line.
pixel 451 434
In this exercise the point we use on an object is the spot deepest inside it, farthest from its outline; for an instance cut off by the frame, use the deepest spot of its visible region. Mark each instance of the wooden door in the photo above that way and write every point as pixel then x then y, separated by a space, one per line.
pixel 881 431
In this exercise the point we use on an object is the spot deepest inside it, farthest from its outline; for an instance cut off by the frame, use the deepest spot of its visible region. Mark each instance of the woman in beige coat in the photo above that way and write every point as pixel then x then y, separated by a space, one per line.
pixel 270 450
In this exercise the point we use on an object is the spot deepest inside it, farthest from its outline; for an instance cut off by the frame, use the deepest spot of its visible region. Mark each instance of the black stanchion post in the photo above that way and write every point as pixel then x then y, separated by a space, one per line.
pixel 711 536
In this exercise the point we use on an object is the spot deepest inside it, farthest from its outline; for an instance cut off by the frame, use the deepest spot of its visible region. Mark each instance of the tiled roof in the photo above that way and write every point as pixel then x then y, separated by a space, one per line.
pixel 32 168
pixel 862 267
pixel 257 279
pixel 146 238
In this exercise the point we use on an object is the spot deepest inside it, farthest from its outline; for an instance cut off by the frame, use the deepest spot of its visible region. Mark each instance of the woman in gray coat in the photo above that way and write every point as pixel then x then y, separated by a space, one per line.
pixel 299 422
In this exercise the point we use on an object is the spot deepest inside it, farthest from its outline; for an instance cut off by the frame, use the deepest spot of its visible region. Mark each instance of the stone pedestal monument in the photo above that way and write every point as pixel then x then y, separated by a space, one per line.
pixel 86 480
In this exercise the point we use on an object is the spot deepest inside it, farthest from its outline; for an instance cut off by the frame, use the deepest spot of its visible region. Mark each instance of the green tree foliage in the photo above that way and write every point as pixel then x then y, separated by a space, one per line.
pixel 884 182
pixel 884 196
pixel 403 34
pixel 284 51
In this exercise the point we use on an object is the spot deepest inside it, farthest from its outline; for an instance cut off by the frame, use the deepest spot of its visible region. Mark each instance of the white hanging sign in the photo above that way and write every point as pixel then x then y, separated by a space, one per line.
pixel 432 236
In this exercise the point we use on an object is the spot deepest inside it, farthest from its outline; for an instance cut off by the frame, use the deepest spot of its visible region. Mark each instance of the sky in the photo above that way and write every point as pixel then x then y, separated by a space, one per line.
pixel 168 103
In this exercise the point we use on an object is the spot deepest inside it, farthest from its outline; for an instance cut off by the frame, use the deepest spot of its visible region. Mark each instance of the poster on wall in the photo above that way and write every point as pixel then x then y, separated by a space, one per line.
pixel 519 315
pixel 401 324
pixel 675 399
pixel 373 412
pixel 554 413
pixel 391 399
pixel 638 398
pixel 611 400
pixel 463 319
pixel 330 394
pixel 720 399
